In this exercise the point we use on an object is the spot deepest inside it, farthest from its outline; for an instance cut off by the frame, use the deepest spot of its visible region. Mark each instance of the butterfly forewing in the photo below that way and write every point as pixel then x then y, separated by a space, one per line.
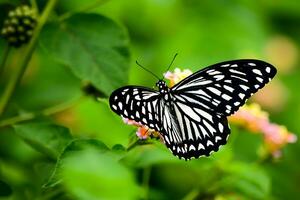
pixel 224 87
pixel 138 104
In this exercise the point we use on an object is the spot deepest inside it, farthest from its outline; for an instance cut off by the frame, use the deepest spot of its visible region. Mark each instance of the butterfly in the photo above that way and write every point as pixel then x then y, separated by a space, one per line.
pixel 192 115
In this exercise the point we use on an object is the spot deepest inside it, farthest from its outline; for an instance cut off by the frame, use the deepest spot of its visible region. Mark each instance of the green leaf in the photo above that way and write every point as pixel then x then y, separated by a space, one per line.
pixel 149 154
pixel 88 175
pixel 5 189
pixel 47 138
pixel 73 147
pixel 249 180
pixel 93 46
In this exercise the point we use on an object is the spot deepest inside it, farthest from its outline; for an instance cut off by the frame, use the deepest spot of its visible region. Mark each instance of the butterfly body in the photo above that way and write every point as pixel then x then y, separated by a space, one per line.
pixel 192 115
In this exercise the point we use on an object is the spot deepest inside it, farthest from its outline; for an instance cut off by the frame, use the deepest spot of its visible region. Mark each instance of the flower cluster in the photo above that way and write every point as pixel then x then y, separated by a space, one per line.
pixel 257 121
pixel 18 26
pixel 177 75
pixel 143 132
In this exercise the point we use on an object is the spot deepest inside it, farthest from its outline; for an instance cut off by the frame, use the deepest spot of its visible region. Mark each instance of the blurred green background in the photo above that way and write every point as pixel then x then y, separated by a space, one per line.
pixel 60 143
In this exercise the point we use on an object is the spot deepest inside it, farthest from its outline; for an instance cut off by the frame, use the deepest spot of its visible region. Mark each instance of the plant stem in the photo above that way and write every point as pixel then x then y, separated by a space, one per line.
pixel 133 143
pixel 45 112
pixel 83 9
pixel 191 195
pixel 16 76
pixel 4 59
pixel 34 6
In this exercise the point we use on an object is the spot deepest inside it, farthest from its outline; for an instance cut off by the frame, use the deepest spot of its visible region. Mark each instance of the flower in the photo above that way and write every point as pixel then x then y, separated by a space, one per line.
pixel 253 118
pixel 177 75
pixel 143 132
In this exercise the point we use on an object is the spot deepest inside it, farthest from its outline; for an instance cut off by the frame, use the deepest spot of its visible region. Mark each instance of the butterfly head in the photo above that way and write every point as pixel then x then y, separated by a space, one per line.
pixel 162 86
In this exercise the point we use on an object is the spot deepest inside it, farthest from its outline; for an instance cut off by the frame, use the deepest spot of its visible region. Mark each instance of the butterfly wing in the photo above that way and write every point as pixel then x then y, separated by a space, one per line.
pixel 138 104
pixel 224 87
pixel 201 102
pixel 192 132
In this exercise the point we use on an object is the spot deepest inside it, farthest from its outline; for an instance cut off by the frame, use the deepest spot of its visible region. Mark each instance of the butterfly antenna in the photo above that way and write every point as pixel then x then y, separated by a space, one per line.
pixel 171 63
pixel 147 70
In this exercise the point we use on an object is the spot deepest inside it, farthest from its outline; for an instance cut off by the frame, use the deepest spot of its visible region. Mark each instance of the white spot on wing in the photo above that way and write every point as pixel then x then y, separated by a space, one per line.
pixel 226 65
pixel 137 114
pixel 120 105
pixel 244 87
pixel 209 143
pixel 268 69
pixel 237 72
pixel 221 127
pixel 241 95
pixel 237 103
pixel 192 147
pixel 200 146
pixel 218 138
pixel 259 79
pixel 135 92
pixel 143 110
pixel 257 71
pixel 214 90
pixel 226 97
pixel 219 77
pixel 230 89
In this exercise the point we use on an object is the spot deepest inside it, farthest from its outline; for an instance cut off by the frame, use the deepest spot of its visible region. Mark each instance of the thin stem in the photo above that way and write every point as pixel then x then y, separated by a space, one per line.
pixel 83 9
pixel 191 195
pixel 146 179
pixel 34 6
pixel 16 76
pixel 4 58
pixel 45 112
pixel 133 143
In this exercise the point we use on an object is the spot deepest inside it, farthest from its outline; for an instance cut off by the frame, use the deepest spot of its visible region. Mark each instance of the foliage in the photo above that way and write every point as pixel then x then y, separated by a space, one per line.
pixel 59 139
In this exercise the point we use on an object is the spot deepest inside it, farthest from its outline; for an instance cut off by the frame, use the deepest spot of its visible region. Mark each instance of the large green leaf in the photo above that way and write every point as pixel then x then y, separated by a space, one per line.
pixel 93 46
pixel 78 145
pixel 246 179
pixel 88 175
pixel 149 154
pixel 47 138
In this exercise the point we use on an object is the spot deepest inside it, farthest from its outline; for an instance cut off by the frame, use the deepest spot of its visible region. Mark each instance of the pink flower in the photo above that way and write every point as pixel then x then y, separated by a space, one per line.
pixel 254 119
pixel 143 132
pixel 177 75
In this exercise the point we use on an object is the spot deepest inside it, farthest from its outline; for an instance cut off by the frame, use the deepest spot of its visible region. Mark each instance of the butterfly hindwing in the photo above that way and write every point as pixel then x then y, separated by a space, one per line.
pixel 224 87
pixel 138 104
pixel 191 132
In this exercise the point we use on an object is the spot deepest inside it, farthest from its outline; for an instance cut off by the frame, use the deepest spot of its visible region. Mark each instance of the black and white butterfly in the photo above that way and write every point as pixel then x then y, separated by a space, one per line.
pixel 192 115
